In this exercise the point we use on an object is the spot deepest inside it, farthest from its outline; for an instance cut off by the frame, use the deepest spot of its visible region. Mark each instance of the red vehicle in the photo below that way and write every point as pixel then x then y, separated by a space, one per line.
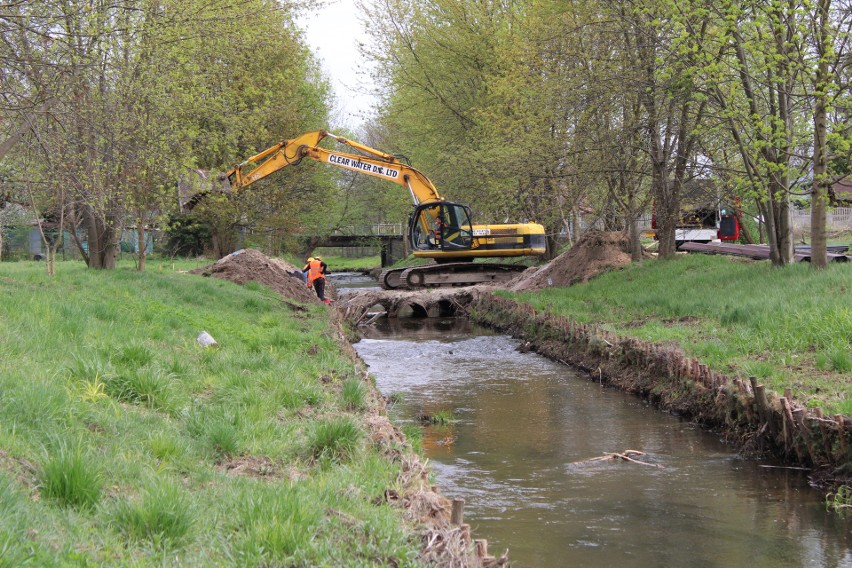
pixel 705 224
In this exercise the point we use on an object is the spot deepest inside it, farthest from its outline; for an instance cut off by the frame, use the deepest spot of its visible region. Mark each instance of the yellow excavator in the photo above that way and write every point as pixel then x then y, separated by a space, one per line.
pixel 437 228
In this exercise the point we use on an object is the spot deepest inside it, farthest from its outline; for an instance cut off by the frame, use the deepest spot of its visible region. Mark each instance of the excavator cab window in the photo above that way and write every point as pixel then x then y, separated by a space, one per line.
pixel 441 226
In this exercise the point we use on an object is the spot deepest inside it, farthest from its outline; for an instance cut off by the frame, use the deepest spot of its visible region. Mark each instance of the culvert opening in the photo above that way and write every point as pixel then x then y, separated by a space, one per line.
pixel 412 311
pixel 446 309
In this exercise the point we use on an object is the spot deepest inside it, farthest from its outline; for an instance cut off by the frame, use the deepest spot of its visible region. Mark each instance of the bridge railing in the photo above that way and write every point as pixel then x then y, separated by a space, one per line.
pixel 375 230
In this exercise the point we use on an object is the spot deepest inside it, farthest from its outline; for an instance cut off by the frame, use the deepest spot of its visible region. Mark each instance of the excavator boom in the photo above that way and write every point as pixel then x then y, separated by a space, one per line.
pixel 438 229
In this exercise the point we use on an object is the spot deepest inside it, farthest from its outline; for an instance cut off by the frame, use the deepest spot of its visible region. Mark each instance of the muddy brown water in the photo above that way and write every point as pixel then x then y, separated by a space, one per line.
pixel 524 428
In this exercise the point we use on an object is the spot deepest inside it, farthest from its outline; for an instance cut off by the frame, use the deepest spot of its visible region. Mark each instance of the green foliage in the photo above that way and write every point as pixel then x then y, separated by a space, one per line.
pixel 70 478
pixel 840 500
pixel 413 435
pixel 837 359
pixel 150 386
pixel 396 397
pixel 162 515
pixel 165 447
pixel 187 236
pixel 277 525
pixel 441 417
pixel 218 428
pixel 353 394
pixel 334 439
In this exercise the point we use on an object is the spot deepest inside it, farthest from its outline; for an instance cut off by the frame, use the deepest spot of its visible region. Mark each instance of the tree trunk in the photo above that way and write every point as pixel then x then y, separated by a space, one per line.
pixel 575 224
pixel 785 228
pixel 633 233
pixel 768 211
pixel 820 188
pixel 103 240
pixel 552 246
pixel 747 237
pixel 140 232
pixel 667 210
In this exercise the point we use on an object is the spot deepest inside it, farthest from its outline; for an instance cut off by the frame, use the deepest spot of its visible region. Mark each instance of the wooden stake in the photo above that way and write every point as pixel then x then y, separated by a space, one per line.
pixel 457 517
pixel 826 443
pixel 481 546
pixel 841 432
pixel 804 429
pixel 788 426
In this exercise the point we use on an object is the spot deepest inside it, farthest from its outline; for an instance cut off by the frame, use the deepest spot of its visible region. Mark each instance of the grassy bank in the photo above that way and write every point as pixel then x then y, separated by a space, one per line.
pixel 791 328
pixel 122 441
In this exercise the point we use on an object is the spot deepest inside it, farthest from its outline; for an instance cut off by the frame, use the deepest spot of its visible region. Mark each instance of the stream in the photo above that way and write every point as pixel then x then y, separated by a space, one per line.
pixel 521 450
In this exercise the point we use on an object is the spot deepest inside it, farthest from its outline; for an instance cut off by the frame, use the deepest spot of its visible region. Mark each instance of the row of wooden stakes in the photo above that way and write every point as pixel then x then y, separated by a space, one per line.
pixel 798 433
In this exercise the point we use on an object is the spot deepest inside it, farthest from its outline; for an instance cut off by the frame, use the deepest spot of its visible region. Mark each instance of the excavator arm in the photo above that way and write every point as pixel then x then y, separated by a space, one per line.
pixel 375 163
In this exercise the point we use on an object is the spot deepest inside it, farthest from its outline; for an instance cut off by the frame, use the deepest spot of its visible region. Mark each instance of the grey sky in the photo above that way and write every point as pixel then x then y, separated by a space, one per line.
pixel 333 31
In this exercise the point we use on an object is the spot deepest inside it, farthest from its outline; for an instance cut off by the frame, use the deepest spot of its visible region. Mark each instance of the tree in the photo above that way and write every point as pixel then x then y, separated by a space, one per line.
pixel 829 33
pixel 147 88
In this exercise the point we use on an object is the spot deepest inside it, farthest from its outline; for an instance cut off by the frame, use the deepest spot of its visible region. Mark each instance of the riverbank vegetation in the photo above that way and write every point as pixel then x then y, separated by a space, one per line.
pixel 123 441
pixel 790 328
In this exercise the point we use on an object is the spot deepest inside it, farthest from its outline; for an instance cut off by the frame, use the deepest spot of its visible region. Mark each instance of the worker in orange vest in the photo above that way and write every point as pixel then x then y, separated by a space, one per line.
pixel 315 270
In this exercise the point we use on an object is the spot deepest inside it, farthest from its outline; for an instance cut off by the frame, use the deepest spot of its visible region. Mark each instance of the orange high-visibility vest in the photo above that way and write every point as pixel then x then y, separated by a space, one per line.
pixel 314 270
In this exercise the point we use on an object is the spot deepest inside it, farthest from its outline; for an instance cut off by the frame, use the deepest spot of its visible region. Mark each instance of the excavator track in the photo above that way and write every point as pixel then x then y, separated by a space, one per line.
pixel 450 274
pixel 390 279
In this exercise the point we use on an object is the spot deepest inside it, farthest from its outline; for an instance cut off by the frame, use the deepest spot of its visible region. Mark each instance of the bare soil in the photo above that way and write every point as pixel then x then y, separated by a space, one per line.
pixel 249 265
pixel 594 253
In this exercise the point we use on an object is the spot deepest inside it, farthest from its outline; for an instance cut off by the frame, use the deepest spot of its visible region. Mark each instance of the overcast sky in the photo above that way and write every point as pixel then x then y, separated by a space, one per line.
pixel 333 31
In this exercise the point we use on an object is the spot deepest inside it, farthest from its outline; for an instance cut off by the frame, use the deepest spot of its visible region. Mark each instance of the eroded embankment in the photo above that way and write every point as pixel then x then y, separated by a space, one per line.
pixel 739 408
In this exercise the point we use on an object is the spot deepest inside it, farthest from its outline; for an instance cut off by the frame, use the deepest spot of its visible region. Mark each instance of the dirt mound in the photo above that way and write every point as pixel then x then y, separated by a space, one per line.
pixel 594 253
pixel 248 265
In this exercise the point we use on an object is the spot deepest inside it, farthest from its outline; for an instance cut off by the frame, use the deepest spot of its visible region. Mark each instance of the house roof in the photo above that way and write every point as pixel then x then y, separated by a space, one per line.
pixel 842 189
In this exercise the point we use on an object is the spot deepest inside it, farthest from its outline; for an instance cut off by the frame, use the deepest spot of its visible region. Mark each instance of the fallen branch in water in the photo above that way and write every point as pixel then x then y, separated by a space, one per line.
pixel 625 455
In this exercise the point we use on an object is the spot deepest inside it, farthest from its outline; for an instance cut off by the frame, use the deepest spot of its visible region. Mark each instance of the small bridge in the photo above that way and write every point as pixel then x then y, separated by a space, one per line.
pixel 388 236
pixel 437 302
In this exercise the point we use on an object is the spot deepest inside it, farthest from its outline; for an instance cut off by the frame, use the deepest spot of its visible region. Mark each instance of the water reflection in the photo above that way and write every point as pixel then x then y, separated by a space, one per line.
pixel 525 427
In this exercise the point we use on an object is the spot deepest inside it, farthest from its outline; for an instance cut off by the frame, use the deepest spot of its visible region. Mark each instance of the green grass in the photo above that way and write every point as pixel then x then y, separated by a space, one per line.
pixel 354 394
pixel 162 515
pixel 840 501
pixel 69 478
pixel 440 418
pixel 124 442
pixel 791 327
pixel 335 439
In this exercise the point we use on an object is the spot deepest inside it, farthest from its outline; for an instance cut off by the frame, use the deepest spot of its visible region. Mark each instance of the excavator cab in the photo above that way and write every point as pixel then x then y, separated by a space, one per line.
pixel 440 226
